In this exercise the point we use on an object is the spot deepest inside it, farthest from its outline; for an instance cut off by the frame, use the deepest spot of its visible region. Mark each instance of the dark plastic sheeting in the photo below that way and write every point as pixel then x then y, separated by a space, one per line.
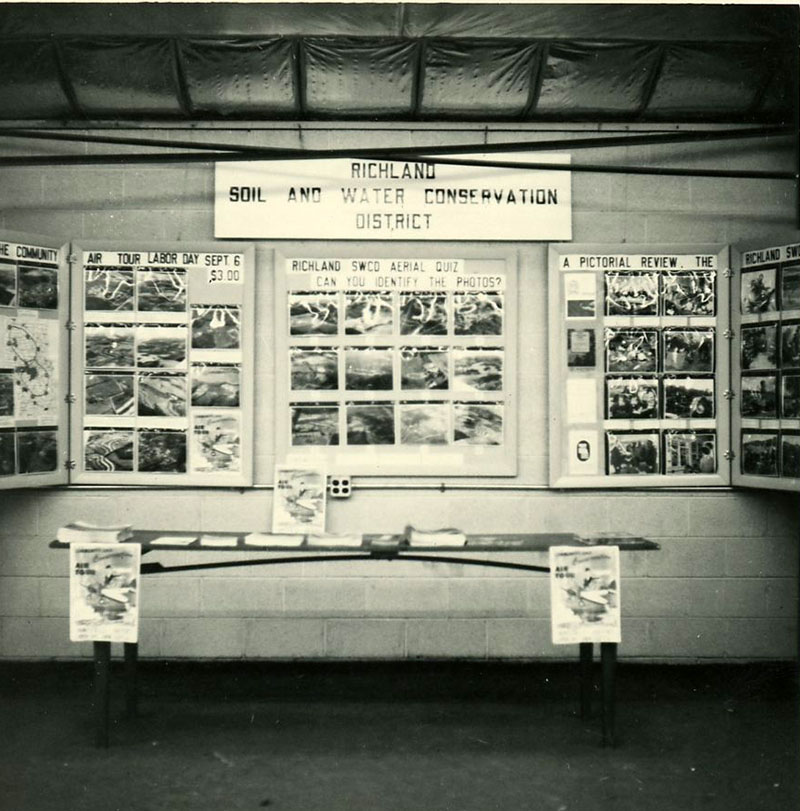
pixel 357 77
pixel 478 79
pixel 123 77
pixel 595 79
pixel 29 87
pixel 238 78
pixel 718 79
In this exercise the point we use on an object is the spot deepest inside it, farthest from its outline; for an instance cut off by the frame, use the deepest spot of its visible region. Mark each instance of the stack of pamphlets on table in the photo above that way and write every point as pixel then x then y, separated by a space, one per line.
pixel 83 532
pixel 448 536
pixel 335 539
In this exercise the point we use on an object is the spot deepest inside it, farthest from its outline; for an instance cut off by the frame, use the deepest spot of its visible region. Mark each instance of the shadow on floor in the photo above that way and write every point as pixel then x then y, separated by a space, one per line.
pixel 400 737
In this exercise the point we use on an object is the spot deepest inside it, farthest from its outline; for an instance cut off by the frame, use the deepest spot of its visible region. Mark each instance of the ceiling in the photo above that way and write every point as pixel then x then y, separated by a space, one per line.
pixel 113 62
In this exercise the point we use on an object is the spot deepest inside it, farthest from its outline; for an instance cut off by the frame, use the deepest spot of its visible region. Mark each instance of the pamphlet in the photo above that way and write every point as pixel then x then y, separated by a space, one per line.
pixel 266 539
pixel 219 540
pixel 174 540
pixel 299 500
pixel 584 594
pixel 334 539
pixel 84 532
pixel 104 592
pixel 435 537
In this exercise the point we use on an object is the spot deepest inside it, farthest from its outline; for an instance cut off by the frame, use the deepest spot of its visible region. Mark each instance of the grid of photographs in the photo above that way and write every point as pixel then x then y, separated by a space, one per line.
pixel 162 373
pixel 381 368
pixel 769 360
pixel 659 363
pixel 29 365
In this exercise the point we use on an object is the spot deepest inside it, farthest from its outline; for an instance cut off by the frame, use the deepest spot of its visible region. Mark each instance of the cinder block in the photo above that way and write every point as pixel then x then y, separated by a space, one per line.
pixel 622 225
pixel 744 597
pixel 657 193
pixel 760 557
pixel 591 191
pixel 65 225
pixel 651 516
pixel 762 639
pixel 677 228
pixel 782 597
pixel 733 515
pixel 525 639
pixel 84 188
pixel 59 508
pixel 20 513
pixel 54 596
pixel 131 225
pixel 447 638
pixel 189 185
pixel 197 223
pixel 671 597
pixel 783 514
pixel 635 639
pixel 151 635
pixel 166 596
pixel 365 639
pixel 539 596
pixel 406 597
pixel 204 638
pixel 19 597
pixel 688 638
pixel 329 598
pixel 242 597
pixel 243 512
pixel 289 638
pixel 581 514
pixel 21 188
pixel 685 557
pixel 39 638
pixel 488 597
pixel 160 510
pixel 734 196
pixel 22 556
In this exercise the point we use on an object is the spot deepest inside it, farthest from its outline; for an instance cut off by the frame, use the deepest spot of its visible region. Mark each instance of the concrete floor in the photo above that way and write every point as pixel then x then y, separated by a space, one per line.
pixel 400 737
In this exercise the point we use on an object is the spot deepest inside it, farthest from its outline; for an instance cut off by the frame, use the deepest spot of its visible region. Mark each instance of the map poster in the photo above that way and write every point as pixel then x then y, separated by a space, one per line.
pixel 584 594
pixel 104 592
pixel 33 348
pixel 299 500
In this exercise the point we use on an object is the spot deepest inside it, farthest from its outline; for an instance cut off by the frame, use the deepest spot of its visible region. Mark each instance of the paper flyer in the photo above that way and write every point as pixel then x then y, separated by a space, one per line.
pixel 299 500
pixel 584 594
pixel 104 592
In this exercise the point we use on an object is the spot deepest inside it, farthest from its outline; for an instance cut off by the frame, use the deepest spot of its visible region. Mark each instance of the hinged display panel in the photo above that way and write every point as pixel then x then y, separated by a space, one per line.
pixel 34 303
pixel 162 368
pixel 766 364
pixel 400 363
pixel 638 365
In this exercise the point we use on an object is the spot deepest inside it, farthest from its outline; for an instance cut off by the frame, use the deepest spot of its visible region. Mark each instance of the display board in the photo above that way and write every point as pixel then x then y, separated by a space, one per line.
pixel 766 367
pixel 162 371
pixel 639 359
pixel 397 366
pixel 34 303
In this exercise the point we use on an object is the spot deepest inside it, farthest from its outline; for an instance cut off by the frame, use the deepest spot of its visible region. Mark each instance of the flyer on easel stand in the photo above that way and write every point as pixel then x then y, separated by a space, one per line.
pixel 104 592
pixel 584 594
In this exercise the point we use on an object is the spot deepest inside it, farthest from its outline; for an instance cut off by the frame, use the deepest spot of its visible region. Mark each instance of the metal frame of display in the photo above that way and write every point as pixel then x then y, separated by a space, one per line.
pixel 208 286
pixel 55 361
pixel 477 455
pixel 769 259
pixel 582 423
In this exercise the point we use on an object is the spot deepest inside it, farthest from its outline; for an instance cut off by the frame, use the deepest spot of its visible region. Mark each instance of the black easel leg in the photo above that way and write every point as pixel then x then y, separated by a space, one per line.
pixel 131 685
pixel 608 656
pixel 586 662
pixel 102 678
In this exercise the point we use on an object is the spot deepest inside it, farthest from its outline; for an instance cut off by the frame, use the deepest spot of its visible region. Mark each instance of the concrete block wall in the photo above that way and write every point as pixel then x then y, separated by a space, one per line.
pixel 723 587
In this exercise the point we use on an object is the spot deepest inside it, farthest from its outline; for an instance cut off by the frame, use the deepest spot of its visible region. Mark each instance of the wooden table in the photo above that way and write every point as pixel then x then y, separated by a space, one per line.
pixel 373 547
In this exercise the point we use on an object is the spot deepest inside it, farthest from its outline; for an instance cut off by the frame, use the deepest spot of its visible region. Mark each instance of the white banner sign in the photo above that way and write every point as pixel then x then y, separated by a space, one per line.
pixel 347 198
